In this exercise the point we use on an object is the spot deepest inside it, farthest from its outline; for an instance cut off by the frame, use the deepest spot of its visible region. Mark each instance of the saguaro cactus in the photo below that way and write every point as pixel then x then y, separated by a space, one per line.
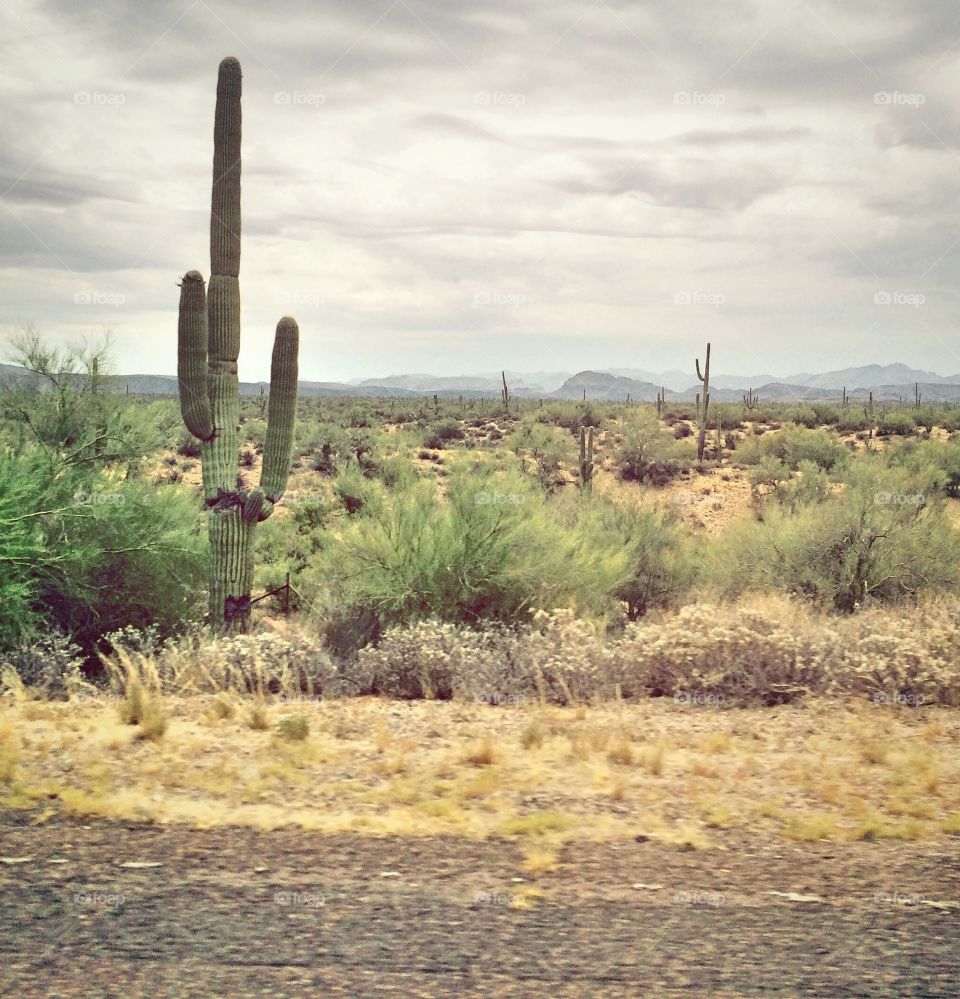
pixel 209 344
pixel 586 458
pixel 704 376
pixel 750 401
pixel 505 392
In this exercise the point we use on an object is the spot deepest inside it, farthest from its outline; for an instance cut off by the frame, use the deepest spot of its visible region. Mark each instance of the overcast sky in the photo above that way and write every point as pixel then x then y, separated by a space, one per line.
pixel 457 186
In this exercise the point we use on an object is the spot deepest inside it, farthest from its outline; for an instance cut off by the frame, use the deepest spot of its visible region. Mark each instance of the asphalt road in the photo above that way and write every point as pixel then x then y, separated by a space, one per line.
pixel 238 912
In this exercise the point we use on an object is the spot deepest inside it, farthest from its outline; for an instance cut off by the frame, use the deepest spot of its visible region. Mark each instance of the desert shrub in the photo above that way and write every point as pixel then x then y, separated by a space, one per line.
pixel 879 538
pixel 765 650
pixel 355 492
pixel 548 448
pixel 289 662
pixel 49 664
pixel 439 434
pixel 803 416
pixel 935 463
pixel 492 551
pixel 88 554
pixel 911 658
pixel 648 453
pixel 794 444
pixel 187 445
pixel 896 422
pixel 650 544
pixel 734 653
pixel 416 661
pixel 853 420
pixel 682 430
pixel 827 413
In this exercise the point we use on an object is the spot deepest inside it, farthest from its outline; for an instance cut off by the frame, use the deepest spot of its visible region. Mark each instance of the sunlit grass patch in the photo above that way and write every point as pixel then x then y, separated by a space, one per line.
pixel 480 754
pixel 813 826
pixel 539 824
pixel 293 728
pixel 9 752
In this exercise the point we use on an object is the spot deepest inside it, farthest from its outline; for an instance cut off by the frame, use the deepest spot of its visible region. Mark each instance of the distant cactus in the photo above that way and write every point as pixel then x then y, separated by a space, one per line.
pixel 704 376
pixel 586 458
pixel 505 393
pixel 209 344
pixel 750 401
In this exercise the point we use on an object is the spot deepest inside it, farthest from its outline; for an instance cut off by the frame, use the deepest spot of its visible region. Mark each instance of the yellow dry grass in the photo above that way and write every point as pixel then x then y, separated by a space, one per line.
pixel 836 770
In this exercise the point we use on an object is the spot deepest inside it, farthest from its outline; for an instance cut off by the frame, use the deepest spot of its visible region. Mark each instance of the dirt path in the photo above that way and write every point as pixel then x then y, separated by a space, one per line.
pixel 239 912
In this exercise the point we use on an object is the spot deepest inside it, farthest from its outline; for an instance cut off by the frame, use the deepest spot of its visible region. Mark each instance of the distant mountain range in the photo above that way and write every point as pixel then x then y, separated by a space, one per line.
pixel 887 382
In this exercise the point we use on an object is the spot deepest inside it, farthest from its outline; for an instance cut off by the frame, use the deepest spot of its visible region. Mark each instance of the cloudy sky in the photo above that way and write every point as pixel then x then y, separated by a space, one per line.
pixel 457 186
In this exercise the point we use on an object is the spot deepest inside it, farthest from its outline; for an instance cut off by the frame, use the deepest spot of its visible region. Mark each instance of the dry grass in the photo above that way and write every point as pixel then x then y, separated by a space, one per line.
pixel 9 752
pixel 371 767
pixel 481 754
pixel 293 728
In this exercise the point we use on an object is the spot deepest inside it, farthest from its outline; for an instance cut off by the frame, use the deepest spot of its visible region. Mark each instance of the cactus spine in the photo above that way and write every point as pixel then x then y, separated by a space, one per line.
pixel 586 458
pixel 209 344
pixel 704 376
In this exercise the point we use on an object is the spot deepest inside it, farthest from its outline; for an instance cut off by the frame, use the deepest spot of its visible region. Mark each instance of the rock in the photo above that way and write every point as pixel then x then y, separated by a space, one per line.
pixel 15 860
pixel 138 865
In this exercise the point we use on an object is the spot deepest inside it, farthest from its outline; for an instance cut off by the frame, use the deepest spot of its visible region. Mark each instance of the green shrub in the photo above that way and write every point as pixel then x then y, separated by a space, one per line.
pixel 654 547
pixel 879 539
pixel 439 434
pixel 648 453
pixel 896 422
pixel 792 445
pixel 492 551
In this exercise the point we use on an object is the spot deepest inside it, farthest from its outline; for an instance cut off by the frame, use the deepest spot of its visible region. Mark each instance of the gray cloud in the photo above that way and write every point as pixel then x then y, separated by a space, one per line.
pixel 401 158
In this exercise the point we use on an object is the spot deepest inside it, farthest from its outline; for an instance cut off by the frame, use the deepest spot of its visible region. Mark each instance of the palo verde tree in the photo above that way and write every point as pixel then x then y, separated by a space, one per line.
pixel 209 344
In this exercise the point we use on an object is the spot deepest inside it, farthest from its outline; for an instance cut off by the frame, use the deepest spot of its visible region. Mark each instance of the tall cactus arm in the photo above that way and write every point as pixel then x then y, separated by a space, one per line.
pixel 225 204
pixel 192 357
pixel 281 410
